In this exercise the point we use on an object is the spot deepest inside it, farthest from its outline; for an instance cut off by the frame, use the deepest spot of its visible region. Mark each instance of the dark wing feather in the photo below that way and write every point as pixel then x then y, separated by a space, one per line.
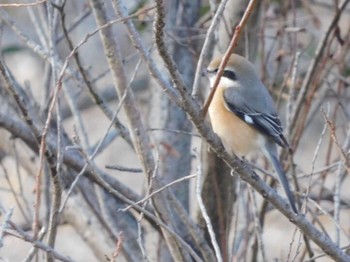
pixel 267 124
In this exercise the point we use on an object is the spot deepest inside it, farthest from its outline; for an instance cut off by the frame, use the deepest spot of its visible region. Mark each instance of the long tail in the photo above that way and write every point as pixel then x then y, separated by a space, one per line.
pixel 272 155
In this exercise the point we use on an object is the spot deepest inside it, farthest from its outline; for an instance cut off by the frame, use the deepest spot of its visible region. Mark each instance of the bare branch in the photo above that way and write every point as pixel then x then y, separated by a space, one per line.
pixel 207 43
pixel 23 5
pixel 204 211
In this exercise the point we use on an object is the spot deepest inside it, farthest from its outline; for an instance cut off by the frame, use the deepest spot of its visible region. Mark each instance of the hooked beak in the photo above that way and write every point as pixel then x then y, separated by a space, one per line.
pixel 208 72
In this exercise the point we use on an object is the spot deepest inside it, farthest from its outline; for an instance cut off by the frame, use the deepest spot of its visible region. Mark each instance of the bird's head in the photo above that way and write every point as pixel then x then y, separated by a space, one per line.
pixel 238 72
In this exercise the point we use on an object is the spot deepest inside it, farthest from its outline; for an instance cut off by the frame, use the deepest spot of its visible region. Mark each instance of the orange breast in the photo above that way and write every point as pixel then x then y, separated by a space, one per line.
pixel 236 136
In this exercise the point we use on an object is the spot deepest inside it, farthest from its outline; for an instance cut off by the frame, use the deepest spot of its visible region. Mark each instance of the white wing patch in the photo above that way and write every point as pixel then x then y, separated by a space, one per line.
pixel 248 119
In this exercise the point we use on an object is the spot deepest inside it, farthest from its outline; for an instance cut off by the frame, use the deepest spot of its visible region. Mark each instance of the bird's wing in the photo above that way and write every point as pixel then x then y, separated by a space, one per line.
pixel 266 123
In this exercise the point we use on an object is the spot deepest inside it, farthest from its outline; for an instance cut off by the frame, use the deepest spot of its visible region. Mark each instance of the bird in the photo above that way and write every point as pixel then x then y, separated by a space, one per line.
pixel 243 115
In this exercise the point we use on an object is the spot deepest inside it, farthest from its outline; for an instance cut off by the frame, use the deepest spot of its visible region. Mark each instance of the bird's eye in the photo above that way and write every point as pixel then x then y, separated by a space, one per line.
pixel 230 75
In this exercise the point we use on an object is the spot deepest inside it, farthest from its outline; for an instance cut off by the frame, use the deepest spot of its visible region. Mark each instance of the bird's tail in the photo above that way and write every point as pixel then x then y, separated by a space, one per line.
pixel 272 155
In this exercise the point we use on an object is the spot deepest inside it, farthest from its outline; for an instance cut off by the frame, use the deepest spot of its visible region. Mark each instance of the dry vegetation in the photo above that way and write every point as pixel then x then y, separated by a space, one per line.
pixel 106 155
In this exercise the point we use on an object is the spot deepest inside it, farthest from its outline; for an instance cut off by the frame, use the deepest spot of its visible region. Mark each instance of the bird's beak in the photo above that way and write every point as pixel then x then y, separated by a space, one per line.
pixel 209 72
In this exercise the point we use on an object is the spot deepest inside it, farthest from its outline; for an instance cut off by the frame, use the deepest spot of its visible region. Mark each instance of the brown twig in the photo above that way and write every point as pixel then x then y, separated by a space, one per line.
pixel 207 44
pixel 342 153
pixel 118 246
pixel 23 105
pixel 314 65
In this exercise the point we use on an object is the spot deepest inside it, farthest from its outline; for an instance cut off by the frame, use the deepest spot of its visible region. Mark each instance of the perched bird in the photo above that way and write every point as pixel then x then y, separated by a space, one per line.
pixel 243 115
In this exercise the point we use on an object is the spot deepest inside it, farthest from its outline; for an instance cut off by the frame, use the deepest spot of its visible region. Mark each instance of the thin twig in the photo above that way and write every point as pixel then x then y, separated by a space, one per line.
pixel 34 250
pixel 140 209
pixel 124 169
pixel 106 25
pixel 343 165
pixel 336 223
pixel 312 259
pixel 75 23
pixel 96 149
pixel 139 45
pixel 118 246
pixel 5 224
pixel 23 5
pixel 99 101
pixel 204 212
pixel 38 26
pixel 337 186
pixel 257 227
pixel 341 151
pixel 315 61
pixel 26 237
pixel 56 195
pixel 207 44
pixel 159 24
pixel 292 94
pixel 22 102
pixel 19 177
pixel 314 158
pixel 140 239
pixel 180 132
pixel 181 179
pixel 14 194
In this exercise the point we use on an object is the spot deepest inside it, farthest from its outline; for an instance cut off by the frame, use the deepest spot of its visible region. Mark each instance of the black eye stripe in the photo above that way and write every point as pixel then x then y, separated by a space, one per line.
pixel 230 75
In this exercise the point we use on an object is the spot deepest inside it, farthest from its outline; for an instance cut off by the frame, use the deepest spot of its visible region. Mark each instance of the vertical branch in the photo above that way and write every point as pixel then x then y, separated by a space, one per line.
pixel 175 164
pixel 96 97
pixel 22 103
pixel 188 226
pixel 204 211
pixel 292 94
pixel 7 218
pixel 139 135
pixel 57 190
pixel 207 45
pixel 159 25
pixel 258 226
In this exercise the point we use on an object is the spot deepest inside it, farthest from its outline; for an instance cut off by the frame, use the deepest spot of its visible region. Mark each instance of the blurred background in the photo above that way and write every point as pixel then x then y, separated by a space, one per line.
pixel 68 64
